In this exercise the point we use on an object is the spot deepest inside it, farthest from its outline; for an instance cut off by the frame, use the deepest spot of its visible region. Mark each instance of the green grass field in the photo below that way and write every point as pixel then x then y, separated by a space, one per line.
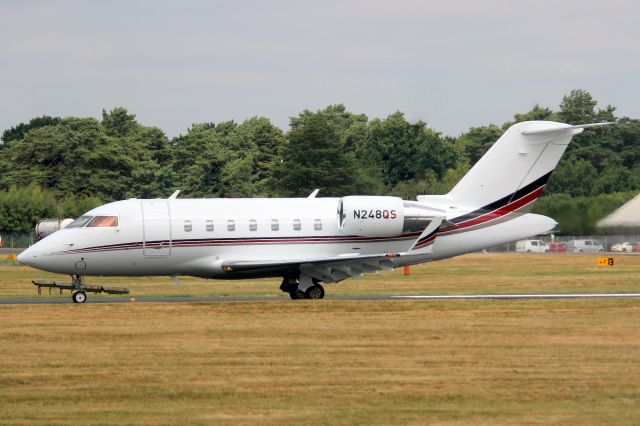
pixel 334 361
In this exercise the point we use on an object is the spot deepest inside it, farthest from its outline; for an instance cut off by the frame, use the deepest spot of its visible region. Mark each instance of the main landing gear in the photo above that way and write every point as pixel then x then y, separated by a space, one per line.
pixel 314 292
pixel 313 289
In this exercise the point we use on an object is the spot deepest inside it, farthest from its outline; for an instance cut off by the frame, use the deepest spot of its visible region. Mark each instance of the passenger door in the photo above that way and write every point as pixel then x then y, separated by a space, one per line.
pixel 156 228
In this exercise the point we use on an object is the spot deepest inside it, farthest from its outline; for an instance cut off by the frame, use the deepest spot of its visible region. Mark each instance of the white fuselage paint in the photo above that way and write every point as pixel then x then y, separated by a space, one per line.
pixel 153 237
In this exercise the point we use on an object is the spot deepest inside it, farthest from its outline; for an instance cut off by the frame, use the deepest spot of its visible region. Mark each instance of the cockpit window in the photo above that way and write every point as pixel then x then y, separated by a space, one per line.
pixel 103 222
pixel 80 222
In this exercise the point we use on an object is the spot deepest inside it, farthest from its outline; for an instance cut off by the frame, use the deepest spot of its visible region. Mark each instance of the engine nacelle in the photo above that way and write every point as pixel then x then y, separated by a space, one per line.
pixel 371 216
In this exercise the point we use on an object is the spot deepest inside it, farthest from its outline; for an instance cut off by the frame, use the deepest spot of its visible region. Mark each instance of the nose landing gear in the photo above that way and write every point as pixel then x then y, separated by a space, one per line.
pixel 78 295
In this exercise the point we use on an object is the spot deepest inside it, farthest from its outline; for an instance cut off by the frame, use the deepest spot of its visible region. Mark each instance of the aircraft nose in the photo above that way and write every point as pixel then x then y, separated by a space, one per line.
pixel 27 257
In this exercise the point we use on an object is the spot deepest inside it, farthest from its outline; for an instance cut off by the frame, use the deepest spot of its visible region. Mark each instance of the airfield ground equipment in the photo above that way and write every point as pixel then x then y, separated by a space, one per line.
pixel 78 287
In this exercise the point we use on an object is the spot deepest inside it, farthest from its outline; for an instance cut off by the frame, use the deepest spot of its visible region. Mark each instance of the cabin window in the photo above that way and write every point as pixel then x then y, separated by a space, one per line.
pixel 297 225
pixel 275 225
pixel 317 224
pixel 231 225
pixel 253 225
pixel 209 225
pixel 103 222
pixel 187 226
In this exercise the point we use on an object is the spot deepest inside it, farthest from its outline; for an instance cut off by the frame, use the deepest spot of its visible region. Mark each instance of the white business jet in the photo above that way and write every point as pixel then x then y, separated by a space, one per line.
pixel 309 241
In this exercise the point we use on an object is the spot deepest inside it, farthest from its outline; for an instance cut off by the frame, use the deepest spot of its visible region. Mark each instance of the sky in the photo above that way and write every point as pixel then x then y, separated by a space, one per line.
pixel 454 64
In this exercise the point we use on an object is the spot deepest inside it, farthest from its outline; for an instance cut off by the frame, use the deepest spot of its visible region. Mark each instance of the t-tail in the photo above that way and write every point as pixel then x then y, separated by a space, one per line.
pixel 510 176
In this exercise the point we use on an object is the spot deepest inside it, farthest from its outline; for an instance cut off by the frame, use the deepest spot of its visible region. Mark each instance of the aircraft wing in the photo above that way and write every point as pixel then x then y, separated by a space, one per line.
pixel 331 269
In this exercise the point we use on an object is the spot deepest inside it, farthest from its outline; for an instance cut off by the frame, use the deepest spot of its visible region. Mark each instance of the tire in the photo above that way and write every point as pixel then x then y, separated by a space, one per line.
pixel 79 297
pixel 296 294
pixel 315 292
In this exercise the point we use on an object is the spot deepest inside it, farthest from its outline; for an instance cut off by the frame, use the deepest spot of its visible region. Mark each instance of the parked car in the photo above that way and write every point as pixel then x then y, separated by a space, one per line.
pixel 532 246
pixel 626 247
pixel 558 247
pixel 579 246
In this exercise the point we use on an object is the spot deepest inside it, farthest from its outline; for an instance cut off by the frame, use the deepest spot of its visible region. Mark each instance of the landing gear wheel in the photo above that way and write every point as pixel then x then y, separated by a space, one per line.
pixel 296 294
pixel 79 297
pixel 315 292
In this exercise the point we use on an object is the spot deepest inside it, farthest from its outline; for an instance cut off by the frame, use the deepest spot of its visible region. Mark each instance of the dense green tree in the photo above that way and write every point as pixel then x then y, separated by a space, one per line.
pixel 578 107
pixel 255 143
pixel 118 122
pixel 337 117
pixel 72 206
pixel 572 177
pixel 80 162
pixel 430 184
pixel 21 208
pixel 536 113
pixel 315 157
pixel 579 215
pixel 70 158
pixel 227 160
pixel 18 132
pixel 405 151
pixel 477 141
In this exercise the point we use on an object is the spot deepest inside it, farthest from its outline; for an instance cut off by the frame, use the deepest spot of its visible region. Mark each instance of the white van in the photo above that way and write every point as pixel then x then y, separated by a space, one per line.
pixel 580 246
pixel 532 246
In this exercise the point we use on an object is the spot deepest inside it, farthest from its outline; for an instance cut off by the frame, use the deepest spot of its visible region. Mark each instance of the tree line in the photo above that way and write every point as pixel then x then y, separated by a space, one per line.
pixel 61 167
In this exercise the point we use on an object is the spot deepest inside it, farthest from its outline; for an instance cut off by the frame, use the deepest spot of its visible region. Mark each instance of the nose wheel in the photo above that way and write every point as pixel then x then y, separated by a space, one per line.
pixel 79 297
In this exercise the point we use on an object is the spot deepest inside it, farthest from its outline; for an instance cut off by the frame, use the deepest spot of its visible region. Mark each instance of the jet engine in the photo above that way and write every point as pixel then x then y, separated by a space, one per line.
pixel 382 216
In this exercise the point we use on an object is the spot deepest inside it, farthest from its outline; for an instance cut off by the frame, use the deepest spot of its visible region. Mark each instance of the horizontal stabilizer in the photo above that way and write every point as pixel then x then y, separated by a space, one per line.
pixel 532 130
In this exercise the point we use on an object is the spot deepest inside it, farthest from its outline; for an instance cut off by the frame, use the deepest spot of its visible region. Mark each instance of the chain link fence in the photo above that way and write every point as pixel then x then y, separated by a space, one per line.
pixel 16 240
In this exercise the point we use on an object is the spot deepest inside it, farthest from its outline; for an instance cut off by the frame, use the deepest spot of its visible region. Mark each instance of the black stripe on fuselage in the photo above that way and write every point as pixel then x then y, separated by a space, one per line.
pixel 542 180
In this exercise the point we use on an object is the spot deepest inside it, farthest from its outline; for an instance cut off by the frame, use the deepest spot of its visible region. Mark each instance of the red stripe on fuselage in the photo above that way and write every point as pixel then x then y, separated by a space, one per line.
pixel 497 213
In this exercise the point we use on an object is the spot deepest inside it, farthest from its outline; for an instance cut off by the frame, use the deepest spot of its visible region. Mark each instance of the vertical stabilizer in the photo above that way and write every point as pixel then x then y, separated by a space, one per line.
pixel 516 167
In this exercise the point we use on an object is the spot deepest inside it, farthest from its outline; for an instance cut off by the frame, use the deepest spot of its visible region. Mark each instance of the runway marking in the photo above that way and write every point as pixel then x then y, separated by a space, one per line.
pixel 522 296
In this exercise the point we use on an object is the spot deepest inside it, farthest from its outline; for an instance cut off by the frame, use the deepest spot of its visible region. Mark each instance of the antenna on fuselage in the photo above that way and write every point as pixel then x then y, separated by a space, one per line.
pixel 174 195
pixel 314 193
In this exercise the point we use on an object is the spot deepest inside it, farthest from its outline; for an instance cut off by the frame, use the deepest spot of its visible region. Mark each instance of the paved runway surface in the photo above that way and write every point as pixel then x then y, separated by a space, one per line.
pixel 66 300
